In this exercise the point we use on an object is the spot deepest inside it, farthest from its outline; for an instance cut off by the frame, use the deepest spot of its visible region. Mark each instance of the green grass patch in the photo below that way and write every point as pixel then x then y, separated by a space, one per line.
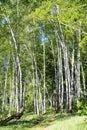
pixel 48 122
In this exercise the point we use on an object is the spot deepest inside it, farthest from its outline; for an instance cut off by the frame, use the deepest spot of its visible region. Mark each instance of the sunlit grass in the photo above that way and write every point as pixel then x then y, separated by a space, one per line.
pixel 48 122
pixel 73 123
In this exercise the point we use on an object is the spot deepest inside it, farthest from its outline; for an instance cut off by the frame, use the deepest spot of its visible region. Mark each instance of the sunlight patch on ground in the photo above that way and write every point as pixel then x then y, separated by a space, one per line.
pixel 48 122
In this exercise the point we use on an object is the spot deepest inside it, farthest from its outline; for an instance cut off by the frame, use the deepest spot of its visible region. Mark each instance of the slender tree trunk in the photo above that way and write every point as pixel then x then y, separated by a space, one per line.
pixel 56 81
pixel 17 101
pixel 24 91
pixel 13 87
pixel 37 87
pixel 44 78
pixel 78 67
pixel 61 79
pixel 18 62
pixel 12 92
pixel 59 74
pixel 21 88
pixel 41 102
pixel 83 79
pixel 75 87
pixel 4 98
pixel 33 82
pixel 37 94
pixel 66 65
pixel 49 98
pixel 10 95
pixel 72 79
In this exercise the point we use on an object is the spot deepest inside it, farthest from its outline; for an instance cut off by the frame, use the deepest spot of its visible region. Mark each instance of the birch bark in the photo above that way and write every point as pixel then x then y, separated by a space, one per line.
pixel 17 76
pixel 78 67
pixel 72 78
pixel 44 78
pixel 37 86
pixel 18 62
pixel 4 99
pixel 61 79
pixel 83 79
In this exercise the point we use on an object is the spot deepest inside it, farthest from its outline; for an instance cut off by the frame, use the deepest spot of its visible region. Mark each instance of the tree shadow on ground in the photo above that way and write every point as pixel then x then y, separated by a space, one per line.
pixel 56 117
pixel 23 123
pixel 41 121
pixel 64 116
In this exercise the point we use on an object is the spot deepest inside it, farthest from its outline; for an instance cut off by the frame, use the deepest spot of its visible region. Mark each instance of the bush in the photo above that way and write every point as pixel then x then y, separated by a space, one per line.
pixel 82 106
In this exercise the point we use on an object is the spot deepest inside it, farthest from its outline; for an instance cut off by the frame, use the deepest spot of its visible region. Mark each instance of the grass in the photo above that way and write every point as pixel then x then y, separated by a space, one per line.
pixel 48 122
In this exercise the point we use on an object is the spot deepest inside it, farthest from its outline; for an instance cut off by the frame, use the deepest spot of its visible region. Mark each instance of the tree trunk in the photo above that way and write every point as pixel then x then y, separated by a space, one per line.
pixel 83 79
pixel 78 68
pixel 12 91
pixel 72 79
pixel 14 116
pixel 56 81
pixel 60 40
pixel 61 79
pixel 37 87
pixel 44 78
pixel 18 62
pixel 4 98
pixel 17 101
pixel 24 91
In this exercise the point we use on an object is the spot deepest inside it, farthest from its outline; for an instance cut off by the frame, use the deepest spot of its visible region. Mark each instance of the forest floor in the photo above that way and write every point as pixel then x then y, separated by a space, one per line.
pixel 48 122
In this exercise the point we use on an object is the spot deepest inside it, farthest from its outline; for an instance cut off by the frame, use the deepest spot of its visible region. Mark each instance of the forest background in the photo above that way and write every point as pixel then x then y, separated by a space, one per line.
pixel 43 56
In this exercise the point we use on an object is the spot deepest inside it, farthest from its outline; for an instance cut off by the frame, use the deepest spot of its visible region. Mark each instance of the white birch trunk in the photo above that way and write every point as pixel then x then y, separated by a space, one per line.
pixel 44 78
pixel 61 80
pixel 12 91
pixel 37 86
pixel 66 65
pixel 10 95
pixel 41 101
pixel 56 81
pixel 18 62
pixel 4 98
pixel 75 93
pixel 78 67
pixel 72 79
pixel 17 101
pixel 37 94
pixel 83 79
pixel 33 83
pixel 24 91
pixel 59 74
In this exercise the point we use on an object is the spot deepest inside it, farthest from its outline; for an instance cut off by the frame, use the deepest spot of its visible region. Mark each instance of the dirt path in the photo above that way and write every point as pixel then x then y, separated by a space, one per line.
pixel 51 120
